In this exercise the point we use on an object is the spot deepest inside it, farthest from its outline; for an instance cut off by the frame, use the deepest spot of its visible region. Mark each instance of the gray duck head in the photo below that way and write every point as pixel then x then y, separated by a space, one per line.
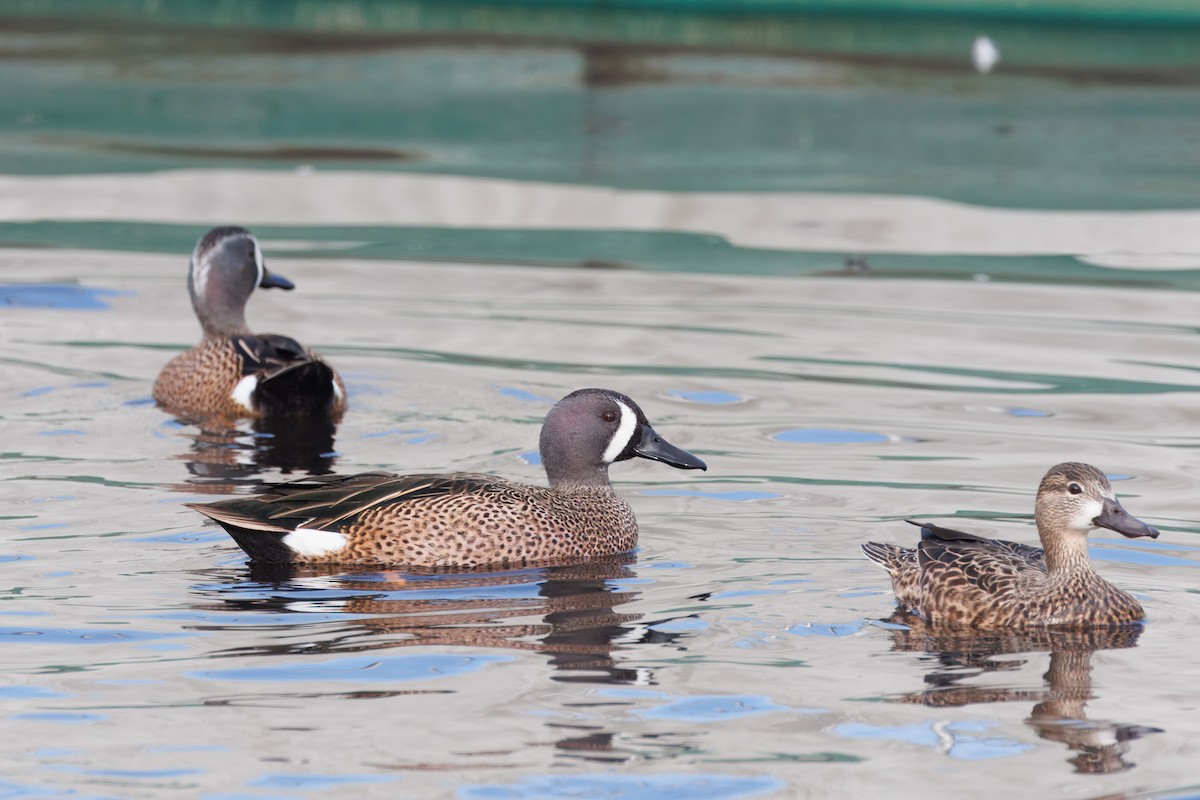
pixel 591 428
pixel 1077 498
pixel 227 265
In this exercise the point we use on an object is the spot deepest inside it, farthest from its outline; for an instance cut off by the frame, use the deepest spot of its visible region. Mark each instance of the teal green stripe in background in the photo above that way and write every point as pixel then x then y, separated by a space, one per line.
pixel 653 251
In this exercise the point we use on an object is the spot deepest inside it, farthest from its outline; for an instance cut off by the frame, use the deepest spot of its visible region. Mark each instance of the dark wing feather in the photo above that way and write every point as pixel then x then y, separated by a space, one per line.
pixel 931 532
pixel 928 529
pixel 328 502
pixel 270 353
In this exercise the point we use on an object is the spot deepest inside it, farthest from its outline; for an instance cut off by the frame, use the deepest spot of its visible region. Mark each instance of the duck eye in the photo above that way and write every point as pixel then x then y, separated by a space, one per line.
pixel 609 416
pixel 1075 488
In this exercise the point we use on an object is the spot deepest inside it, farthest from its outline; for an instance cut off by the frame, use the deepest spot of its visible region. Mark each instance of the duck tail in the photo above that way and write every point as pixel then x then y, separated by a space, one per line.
pixel 304 389
pixel 886 555
pixel 263 546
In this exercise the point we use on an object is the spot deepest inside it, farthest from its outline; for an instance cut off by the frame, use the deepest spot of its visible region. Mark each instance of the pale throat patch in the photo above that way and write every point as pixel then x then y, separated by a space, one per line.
pixel 1087 512
pixel 243 393
pixel 622 435
pixel 313 543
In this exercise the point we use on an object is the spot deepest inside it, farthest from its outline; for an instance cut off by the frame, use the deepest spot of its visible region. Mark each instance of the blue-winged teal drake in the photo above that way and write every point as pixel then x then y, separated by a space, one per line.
pixel 465 519
pixel 232 372
pixel 959 579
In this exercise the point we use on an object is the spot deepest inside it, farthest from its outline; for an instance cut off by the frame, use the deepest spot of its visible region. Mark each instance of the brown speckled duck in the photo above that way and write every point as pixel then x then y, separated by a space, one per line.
pixel 233 372
pixel 959 579
pixel 465 519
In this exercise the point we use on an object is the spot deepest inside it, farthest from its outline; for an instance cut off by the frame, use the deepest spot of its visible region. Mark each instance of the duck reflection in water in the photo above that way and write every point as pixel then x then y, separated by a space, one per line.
pixel 579 627
pixel 224 454
pixel 567 613
pixel 1059 713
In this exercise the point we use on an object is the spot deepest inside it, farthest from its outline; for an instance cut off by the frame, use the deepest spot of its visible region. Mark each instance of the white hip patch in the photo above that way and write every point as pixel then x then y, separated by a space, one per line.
pixel 314 543
pixel 243 393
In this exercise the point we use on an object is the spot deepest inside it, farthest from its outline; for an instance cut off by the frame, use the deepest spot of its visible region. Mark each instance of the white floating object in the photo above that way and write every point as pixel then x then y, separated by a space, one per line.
pixel 984 54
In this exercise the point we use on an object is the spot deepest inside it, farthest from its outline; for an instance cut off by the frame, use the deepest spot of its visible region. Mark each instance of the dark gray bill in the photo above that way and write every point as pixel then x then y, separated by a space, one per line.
pixel 656 448
pixel 272 281
pixel 1116 518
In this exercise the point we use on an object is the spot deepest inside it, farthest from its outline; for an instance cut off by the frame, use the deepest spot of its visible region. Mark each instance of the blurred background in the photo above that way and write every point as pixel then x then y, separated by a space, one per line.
pixel 816 122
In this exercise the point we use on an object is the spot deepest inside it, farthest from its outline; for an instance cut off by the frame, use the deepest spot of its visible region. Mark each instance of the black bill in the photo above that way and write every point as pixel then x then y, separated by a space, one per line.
pixel 656 448
pixel 1116 518
pixel 272 281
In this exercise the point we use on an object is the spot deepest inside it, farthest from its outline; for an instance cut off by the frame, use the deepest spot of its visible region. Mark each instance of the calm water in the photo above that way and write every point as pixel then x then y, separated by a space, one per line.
pixel 744 650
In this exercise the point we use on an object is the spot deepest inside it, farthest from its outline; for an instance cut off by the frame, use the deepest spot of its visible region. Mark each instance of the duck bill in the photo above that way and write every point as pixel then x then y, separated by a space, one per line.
pixel 272 281
pixel 1116 518
pixel 656 448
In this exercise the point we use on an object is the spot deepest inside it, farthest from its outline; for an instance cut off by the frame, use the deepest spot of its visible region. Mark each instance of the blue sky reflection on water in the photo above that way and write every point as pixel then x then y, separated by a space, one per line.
pixel 966 739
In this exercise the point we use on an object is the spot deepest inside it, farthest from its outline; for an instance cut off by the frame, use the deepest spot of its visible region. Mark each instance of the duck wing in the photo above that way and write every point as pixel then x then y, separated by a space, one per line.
pixel 270 354
pixel 328 502
pixel 965 577
pixel 929 531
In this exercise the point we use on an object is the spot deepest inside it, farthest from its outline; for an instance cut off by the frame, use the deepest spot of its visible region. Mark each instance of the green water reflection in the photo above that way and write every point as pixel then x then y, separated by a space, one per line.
pixel 876 106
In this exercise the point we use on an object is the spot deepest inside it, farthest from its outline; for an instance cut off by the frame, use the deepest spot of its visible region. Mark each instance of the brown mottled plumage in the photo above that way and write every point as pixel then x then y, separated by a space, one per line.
pixel 959 579
pixel 232 372
pixel 464 519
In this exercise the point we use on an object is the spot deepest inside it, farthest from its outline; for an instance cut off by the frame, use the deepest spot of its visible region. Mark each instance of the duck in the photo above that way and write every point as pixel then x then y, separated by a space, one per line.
pixel 234 373
pixel 960 580
pixel 465 520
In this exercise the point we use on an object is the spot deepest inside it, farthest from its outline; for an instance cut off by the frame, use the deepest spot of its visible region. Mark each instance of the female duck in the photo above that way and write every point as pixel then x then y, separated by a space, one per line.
pixel 232 372
pixel 958 579
pixel 465 519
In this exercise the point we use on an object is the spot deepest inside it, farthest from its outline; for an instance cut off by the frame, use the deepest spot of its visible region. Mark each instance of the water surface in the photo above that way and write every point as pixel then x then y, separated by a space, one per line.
pixel 745 650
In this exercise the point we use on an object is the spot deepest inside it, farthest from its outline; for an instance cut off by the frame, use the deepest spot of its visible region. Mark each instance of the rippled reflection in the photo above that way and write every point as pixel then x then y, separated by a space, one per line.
pixel 574 609
pixel 222 456
pixel 1059 713
pixel 569 614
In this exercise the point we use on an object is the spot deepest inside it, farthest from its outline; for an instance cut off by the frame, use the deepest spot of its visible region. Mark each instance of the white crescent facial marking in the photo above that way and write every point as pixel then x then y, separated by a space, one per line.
pixel 313 543
pixel 622 435
pixel 199 272
pixel 258 262
pixel 243 393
